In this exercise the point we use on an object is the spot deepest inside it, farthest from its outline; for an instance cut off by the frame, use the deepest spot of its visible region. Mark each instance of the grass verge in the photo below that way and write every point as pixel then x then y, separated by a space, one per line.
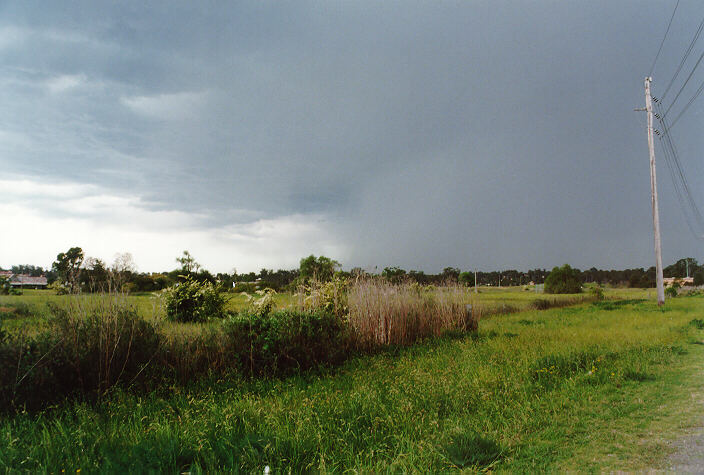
pixel 581 388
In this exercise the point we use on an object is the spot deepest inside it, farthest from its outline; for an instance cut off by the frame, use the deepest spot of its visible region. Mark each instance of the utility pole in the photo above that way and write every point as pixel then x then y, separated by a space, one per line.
pixel 475 281
pixel 654 194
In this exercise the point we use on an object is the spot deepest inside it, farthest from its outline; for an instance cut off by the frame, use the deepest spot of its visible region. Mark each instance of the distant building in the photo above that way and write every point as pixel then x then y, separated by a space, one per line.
pixel 668 281
pixel 28 282
pixel 6 273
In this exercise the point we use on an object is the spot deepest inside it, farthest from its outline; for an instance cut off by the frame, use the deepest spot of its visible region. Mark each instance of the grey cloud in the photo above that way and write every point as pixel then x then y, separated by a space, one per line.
pixel 496 134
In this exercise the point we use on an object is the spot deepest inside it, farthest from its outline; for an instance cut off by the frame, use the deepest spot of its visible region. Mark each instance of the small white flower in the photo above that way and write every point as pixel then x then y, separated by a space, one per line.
pixel 266 470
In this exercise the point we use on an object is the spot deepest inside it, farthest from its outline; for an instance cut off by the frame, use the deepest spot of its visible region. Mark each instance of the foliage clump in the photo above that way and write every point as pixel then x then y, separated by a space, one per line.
pixel 671 291
pixel 597 292
pixel 563 280
pixel 317 268
pixel 193 301
pixel 86 351
pixel 283 341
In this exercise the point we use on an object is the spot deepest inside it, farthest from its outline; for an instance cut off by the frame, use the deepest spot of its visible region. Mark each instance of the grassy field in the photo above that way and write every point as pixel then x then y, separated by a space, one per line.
pixel 34 303
pixel 599 386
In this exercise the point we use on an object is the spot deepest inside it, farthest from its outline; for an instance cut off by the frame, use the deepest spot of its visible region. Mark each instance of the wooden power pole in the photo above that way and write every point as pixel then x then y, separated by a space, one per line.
pixel 654 194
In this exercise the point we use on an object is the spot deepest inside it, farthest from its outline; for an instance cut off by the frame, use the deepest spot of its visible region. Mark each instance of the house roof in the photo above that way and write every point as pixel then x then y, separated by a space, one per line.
pixel 28 280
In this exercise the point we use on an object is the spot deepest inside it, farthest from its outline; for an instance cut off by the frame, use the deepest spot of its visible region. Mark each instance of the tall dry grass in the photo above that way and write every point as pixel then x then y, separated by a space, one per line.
pixel 381 313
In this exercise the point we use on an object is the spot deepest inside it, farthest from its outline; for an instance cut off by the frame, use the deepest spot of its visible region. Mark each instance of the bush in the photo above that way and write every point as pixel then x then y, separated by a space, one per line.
pixel 284 341
pixel 59 288
pixel 597 292
pixel 563 280
pixel 5 286
pixel 193 301
pixel 671 291
pixel 699 277
pixel 85 352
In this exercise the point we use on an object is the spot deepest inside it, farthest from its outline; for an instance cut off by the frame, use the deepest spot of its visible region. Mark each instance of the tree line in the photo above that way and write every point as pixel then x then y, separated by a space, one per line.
pixel 73 272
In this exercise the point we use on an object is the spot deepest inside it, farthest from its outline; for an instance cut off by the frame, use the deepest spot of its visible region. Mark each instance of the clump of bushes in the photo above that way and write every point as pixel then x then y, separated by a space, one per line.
pixel 193 301
pixel 86 351
pixel 597 292
pixel 563 280
pixel 671 291
pixel 284 341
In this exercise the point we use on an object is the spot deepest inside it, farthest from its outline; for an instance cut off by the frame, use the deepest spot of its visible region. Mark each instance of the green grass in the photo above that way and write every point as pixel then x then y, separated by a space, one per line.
pixel 581 388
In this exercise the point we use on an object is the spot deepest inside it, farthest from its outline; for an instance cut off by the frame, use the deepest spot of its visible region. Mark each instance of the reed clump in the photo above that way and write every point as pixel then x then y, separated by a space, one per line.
pixel 381 313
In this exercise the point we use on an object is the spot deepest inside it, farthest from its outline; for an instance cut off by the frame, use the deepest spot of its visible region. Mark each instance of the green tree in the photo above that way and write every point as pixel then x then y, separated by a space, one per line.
pixel 466 278
pixel 393 274
pixel 68 267
pixel 699 277
pixel 318 268
pixel 563 280
pixel 450 274
pixel 188 263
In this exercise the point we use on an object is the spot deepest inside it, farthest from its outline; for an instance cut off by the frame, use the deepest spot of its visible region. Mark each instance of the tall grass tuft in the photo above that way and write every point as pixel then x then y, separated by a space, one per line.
pixel 90 347
pixel 381 313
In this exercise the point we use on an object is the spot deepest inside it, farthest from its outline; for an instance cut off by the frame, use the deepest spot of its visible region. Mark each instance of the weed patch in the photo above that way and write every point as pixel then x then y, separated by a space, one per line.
pixel 616 304
pixel 467 449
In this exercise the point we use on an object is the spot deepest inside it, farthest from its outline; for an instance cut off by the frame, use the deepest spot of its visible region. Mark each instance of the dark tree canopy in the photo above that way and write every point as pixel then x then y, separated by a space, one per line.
pixel 318 268
pixel 563 280
pixel 68 267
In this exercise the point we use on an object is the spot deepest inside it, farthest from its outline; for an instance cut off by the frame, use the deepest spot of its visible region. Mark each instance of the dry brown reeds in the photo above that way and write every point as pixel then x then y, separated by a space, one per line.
pixel 381 313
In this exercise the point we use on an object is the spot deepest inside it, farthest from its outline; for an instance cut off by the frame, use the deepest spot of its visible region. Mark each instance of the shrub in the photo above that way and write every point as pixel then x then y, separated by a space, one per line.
pixel 597 292
pixel 4 286
pixel 563 280
pixel 59 288
pixel 85 352
pixel 264 304
pixel 671 291
pixel 285 341
pixel 193 301
pixel 330 297
pixel 699 277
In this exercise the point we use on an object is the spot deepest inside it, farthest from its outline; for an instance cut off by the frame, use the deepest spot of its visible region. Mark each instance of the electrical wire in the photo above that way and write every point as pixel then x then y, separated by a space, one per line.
pixel 652 68
pixel 691 211
pixel 684 58
pixel 694 97
pixel 685 83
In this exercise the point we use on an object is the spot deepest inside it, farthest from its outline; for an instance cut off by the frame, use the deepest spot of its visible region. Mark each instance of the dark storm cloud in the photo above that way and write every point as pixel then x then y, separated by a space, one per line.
pixel 491 134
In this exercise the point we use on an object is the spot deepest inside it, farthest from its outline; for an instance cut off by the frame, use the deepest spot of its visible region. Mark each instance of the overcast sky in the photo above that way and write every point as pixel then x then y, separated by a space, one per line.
pixel 489 134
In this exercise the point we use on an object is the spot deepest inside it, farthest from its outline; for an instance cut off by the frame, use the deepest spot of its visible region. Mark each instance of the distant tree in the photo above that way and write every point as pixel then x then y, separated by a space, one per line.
pixel 450 274
pixel 122 268
pixel 418 276
pixel 94 275
pixel 563 280
pixel 5 285
pixel 188 263
pixel 28 269
pixel 699 277
pixel 393 274
pixel 466 278
pixel 68 267
pixel 679 268
pixel 318 268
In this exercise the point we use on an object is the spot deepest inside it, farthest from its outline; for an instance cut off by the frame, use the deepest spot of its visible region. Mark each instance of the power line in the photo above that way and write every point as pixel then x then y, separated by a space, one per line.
pixel 684 58
pixel 685 83
pixel 694 97
pixel 663 38
pixel 688 205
